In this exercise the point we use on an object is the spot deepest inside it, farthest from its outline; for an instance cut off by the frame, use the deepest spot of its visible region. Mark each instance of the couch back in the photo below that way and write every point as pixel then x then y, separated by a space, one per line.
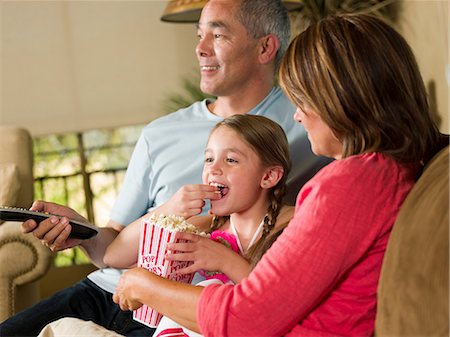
pixel 413 297
pixel 16 167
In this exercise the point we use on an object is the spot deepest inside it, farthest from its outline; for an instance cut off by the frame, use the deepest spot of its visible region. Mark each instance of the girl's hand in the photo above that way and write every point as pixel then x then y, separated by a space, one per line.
pixel 204 253
pixel 189 200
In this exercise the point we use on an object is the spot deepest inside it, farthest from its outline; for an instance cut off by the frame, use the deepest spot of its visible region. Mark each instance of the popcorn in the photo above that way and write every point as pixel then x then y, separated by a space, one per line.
pixel 156 232
pixel 173 223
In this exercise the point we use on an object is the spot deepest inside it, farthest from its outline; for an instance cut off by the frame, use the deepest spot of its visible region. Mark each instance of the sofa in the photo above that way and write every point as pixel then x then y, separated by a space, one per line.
pixel 413 296
pixel 23 259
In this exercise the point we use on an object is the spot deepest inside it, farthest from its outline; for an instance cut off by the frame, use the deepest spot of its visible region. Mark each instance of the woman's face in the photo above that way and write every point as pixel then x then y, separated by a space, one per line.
pixel 323 141
pixel 234 166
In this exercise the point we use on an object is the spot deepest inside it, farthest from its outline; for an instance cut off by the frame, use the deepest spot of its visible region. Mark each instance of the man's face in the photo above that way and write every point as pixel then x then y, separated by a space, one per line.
pixel 228 57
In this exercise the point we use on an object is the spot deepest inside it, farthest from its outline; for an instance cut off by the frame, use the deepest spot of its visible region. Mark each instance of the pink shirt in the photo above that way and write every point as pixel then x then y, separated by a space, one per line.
pixel 320 277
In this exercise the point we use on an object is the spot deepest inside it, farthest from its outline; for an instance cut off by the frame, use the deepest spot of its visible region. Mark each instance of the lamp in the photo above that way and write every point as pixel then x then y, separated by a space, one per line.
pixel 188 11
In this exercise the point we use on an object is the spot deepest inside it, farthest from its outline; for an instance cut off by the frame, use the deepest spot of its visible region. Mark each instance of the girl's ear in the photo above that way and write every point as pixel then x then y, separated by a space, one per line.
pixel 269 46
pixel 272 176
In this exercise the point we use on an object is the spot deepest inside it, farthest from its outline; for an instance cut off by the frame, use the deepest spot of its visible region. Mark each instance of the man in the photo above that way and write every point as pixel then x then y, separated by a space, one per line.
pixel 240 45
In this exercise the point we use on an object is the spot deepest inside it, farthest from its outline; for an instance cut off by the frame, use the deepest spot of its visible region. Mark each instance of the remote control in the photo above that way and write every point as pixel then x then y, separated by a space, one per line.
pixel 80 230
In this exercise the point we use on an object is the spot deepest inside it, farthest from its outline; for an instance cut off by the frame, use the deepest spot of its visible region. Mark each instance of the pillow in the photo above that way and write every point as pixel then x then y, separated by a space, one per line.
pixel 10 184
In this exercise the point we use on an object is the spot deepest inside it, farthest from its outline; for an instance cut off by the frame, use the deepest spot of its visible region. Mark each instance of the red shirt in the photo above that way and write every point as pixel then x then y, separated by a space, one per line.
pixel 320 277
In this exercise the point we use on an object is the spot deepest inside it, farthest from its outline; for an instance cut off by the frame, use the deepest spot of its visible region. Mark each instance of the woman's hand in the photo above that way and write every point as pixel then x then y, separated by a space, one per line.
pixel 189 200
pixel 176 300
pixel 125 295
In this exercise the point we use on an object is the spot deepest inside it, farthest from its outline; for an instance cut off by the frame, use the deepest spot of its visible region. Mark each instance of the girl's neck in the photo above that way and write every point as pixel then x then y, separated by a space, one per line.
pixel 246 242
pixel 247 223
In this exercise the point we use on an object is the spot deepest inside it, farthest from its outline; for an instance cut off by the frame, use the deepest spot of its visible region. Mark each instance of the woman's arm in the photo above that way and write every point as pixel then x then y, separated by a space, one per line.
pixel 138 286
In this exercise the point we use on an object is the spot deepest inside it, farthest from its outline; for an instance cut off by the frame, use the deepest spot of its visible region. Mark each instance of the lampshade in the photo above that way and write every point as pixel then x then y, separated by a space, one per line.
pixel 188 11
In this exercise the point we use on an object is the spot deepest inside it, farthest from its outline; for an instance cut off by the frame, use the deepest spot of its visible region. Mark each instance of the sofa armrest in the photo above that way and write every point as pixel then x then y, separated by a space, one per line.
pixel 23 260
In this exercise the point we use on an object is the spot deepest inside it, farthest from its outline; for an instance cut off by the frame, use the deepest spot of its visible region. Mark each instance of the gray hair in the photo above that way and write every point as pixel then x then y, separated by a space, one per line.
pixel 264 17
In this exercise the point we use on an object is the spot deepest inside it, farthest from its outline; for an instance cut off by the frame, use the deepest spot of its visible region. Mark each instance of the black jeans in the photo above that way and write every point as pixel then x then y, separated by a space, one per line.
pixel 85 300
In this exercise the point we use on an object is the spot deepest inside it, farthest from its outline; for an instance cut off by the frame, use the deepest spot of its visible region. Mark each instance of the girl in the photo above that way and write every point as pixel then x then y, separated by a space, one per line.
pixel 246 162
pixel 247 158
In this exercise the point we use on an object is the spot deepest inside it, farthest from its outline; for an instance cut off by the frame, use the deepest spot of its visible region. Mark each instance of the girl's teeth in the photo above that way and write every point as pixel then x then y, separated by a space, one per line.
pixel 220 187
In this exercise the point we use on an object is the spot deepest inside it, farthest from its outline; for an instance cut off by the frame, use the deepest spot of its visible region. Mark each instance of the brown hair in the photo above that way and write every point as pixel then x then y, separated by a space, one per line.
pixel 360 76
pixel 269 141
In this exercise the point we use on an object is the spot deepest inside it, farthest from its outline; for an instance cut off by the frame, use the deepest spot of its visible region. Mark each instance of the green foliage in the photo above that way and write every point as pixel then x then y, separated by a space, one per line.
pixel 191 94
pixel 315 10
pixel 70 257
pixel 57 172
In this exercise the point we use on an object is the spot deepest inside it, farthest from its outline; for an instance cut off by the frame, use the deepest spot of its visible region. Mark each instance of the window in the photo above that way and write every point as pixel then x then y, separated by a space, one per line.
pixel 83 171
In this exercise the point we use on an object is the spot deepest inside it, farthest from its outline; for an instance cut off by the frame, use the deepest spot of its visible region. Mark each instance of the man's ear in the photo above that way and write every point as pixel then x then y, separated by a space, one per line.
pixel 272 176
pixel 269 46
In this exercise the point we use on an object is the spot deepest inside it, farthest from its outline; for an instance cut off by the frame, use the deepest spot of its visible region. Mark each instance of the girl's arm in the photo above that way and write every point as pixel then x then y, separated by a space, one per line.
pixel 123 251
pixel 213 256
pixel 187 202
pixel 208 255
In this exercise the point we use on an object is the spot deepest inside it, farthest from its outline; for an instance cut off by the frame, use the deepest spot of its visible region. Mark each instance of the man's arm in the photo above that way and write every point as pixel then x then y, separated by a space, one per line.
pixel 54 232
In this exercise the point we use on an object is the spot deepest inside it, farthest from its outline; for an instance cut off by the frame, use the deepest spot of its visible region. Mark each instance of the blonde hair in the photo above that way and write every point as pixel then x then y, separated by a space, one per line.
pixel 360 76
pixel 269 142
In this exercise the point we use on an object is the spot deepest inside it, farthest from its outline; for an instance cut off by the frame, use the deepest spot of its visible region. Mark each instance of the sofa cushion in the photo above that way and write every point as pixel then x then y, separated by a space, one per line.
pixel 10 186
pixel 413 289
pixel 71 326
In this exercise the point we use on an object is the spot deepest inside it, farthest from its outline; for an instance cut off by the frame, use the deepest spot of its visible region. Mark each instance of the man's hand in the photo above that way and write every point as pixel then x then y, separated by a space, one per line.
pixel 53 232
pixel 189 200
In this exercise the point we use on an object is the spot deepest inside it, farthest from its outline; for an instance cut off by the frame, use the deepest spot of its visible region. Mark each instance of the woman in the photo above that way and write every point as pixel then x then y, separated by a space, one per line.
pixel 361 98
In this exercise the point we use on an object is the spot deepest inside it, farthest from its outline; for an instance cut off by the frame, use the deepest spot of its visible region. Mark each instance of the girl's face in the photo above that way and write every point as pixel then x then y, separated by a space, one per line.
pixel 233 165
pixel 323 141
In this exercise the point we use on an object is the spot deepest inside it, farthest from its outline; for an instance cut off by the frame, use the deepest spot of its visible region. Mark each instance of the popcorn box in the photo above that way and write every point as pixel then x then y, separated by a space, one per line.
pixel 156 233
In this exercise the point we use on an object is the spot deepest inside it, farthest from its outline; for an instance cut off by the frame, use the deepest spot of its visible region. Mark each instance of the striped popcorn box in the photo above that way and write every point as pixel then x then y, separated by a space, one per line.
pixel 156 232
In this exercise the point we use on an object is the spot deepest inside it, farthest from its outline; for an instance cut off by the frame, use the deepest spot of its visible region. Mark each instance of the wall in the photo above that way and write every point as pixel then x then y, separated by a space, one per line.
pixel 425 25
pixel 76 65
